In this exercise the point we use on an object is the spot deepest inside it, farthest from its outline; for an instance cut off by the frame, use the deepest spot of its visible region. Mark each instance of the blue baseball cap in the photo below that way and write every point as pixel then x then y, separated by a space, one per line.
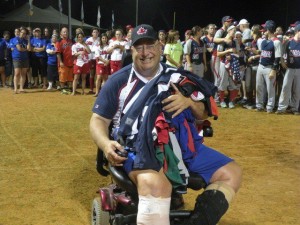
pixel 269 25
pixel 295 24
pixel 227 19
pixel 297 28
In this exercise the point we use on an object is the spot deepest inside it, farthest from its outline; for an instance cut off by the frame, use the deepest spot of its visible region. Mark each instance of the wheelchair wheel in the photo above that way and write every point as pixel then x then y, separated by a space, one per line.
pixel 99 217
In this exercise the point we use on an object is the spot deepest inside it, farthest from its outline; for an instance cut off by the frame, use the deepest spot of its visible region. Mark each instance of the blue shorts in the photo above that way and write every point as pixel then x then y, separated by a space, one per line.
pixel 206 162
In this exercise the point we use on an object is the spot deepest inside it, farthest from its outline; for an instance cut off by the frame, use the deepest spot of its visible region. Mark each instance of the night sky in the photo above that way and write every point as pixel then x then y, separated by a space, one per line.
pixel 160 13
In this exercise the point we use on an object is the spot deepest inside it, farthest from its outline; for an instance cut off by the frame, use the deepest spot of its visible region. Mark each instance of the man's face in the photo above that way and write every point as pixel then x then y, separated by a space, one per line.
pixel 146 55
pixel 64 33
pixel 228 23
pixel 161 36
pixel 211 30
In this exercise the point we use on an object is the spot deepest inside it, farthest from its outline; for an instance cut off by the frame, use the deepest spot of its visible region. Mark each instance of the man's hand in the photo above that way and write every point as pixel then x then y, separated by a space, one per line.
pixel 111 155
pixel 272 74
pixel 176 103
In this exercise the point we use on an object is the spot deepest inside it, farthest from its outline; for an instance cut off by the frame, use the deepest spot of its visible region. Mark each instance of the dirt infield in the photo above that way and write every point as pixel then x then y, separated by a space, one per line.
pixel 47 162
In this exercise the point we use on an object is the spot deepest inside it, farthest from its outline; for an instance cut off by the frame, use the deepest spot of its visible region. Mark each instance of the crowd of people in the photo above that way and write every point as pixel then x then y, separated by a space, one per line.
pixel 255 66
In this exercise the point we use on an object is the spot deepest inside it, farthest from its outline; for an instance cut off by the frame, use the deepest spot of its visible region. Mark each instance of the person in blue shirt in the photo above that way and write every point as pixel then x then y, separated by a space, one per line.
pixel 122 95
pixel 8 59
pixel 39 57
pixel 2 61
pixel 52 70
pixel 20 48
pixel 12 45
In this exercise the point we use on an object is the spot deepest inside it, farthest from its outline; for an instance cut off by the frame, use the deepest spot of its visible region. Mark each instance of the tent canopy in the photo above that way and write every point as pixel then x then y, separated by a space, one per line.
pixel 40 16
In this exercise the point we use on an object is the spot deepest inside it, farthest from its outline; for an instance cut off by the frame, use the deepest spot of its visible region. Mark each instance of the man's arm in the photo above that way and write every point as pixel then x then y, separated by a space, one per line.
pixel 99 132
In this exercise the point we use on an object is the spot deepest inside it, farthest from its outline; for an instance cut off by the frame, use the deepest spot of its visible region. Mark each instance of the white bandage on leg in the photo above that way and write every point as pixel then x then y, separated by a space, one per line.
pixel 153 211
pixel 224 188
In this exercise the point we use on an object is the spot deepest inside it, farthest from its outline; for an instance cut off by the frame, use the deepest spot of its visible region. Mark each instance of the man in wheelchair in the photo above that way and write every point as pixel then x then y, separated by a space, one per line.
pixel 154 109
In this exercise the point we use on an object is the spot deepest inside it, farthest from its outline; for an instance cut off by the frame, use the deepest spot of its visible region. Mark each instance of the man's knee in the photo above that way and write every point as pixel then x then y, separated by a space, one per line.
pixel 153 210
pixel 150 182
pixel 231 174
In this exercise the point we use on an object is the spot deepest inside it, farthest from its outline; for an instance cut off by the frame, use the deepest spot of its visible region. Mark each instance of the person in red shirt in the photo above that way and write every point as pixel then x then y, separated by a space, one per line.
pixel 65 58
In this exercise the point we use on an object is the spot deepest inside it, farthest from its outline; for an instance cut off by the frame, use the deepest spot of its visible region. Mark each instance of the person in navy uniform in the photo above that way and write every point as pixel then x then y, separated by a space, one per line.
pixel 290 93
pixel 271 53
pixel 119 96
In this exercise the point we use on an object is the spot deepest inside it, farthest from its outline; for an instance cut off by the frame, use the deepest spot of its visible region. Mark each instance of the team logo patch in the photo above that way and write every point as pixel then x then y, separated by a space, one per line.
pixel 141 31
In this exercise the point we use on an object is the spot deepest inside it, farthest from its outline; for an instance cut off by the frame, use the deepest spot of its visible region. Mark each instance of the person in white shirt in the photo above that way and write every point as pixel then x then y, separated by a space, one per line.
pixel 80 51
pixel 92 42
pixel 102 60
pixel 116 49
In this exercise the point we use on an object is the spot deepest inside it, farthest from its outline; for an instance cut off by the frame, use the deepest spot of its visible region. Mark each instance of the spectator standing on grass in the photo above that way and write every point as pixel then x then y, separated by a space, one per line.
pixel 162 41
pixel 20 59
pixel 271 53
pixel 290 93
pixel 12 45
pixel 2 61
pixel 52 72
pixel 102 63
pixel 92 42
pixel 116 49
pixel 208 40
pixel 242 61
pixel 39 58
pixel 65 59
pixel 80 51
pixel 195 53
pixel 187 36
pixel 220 38
pixel 173 49
pixel 8 60
pixel 252 65
pixel 227 82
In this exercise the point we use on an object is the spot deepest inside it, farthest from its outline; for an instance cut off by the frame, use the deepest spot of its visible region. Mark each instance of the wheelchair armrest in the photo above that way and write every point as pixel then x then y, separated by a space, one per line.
pixel 196 182
pixel 122 180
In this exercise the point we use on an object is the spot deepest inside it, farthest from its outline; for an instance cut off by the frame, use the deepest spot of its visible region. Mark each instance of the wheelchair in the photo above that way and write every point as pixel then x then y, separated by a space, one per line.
pixel 116 204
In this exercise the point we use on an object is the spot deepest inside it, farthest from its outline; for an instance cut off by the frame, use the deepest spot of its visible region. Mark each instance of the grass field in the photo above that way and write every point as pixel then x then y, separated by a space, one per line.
pixel 47 162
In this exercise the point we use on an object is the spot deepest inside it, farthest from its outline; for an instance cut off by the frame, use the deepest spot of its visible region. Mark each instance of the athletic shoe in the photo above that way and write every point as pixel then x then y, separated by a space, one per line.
pixel 259 110
pixel 280 112
pixel 231 105
pixel 223 105
pixel 296 113
pixel 243 101
pixel 249 106
pixel 269 111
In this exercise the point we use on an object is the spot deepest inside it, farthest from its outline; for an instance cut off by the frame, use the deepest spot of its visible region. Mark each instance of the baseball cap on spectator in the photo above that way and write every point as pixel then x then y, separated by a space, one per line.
pixel 243 22
pixel 143 31
pixel 37 29
pixel 230 28
pixel 128 27
pixel 297 28
pixel 295 24
pixel 238 32
pixel 269 25
pixel 289 31
pixel 227 19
